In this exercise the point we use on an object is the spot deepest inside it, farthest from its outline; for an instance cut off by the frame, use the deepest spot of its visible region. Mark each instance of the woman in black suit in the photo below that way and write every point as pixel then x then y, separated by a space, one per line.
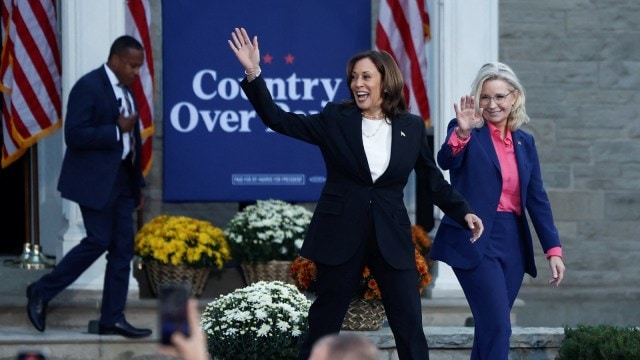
pixel 370 145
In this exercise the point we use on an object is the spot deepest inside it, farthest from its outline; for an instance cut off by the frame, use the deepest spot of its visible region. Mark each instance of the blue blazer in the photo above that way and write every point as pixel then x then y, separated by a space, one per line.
pixel 349 195
pixel 94 153
pixel 475 172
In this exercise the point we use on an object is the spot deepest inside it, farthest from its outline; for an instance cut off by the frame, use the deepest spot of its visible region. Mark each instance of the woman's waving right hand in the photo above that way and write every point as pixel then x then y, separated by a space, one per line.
pixel 467 115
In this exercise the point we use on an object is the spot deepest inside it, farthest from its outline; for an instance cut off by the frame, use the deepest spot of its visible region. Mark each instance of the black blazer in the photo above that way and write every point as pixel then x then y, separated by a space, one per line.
pixel 349 194
pixel 94 153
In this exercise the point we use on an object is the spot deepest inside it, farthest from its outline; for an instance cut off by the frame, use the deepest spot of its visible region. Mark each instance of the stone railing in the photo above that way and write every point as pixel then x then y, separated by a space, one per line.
pixel 454 343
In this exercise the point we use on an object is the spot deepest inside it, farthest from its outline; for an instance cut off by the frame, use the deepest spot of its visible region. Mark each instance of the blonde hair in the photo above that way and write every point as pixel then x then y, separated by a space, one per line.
pixel 500 71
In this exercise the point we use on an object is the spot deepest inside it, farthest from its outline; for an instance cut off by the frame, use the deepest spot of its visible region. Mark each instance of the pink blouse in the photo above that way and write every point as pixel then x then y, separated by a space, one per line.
pixel 510 196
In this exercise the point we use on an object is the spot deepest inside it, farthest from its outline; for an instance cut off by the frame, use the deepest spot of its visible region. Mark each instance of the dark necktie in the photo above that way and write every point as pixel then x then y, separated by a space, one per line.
pixel 129 108
pixel 127 102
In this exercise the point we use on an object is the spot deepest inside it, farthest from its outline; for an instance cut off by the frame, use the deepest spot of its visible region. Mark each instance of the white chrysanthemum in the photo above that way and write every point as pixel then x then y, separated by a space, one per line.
pixel 263 318
pixel 261 314
pixel 283 326
pixel 264 330
pixel 268 230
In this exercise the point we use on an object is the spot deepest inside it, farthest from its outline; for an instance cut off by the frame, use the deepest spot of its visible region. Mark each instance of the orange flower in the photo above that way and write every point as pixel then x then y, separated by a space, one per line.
pixel 421 240
pixel 304 271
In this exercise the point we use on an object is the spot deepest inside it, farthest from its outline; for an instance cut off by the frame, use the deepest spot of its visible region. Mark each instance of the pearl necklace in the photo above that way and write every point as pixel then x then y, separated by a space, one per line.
pixel 377 129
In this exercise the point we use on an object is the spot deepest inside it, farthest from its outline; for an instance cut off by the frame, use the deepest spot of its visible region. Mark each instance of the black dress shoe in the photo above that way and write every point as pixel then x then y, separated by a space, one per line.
pixel 36 309
pixel 123 328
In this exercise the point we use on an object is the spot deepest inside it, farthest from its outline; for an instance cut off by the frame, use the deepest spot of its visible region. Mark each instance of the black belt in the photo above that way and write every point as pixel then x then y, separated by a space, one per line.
pixel 128 160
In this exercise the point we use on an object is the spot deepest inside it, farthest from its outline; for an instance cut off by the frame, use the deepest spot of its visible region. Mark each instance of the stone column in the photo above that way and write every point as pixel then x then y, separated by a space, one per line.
pixel 88 28
pixel 465 36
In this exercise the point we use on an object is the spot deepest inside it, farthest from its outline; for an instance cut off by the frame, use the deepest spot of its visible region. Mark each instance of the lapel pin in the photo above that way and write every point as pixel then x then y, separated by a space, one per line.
pixel 519 142
pixel 402 133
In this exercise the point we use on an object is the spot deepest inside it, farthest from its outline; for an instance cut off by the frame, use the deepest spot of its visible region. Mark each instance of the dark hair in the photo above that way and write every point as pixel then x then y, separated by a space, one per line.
pixel 122 44
pixel 393 101
pixel 349 346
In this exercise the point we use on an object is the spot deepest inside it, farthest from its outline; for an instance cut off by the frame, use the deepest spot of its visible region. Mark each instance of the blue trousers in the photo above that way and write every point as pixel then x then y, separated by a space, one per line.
pixel 492 287
pixel 108 230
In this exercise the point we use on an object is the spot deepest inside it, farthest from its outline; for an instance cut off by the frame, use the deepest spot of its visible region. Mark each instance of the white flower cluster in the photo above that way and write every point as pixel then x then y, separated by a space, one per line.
pixel 268 230
pixel 265 314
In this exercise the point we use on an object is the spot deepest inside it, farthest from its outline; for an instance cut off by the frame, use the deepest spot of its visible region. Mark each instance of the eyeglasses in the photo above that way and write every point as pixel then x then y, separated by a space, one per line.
pixel 499 99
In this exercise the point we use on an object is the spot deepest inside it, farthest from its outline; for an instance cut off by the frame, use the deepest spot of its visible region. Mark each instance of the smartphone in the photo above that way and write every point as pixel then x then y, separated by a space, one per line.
pixel 173 311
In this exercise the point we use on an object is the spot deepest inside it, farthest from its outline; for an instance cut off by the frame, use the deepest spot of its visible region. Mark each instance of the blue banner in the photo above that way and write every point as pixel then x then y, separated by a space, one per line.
pixel 215 146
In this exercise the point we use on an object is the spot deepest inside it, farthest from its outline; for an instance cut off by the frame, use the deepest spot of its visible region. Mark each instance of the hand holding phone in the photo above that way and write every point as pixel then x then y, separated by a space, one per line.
pixel 173 311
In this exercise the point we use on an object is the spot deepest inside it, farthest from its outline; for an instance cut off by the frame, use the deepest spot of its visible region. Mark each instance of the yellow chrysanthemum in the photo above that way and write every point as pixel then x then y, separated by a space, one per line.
pixel 179 240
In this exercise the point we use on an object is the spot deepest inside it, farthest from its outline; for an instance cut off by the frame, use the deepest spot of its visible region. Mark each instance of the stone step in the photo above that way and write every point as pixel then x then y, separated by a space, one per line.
pixel 69 314
pixel 450 343
pixel 75 308
pixel 67 335
pixel 75 343
pixel 454 312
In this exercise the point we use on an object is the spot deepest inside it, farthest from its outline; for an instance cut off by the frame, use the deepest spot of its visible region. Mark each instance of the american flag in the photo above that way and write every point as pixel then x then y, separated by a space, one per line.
pixel 403 30
pixel 137 24
pixel 30 75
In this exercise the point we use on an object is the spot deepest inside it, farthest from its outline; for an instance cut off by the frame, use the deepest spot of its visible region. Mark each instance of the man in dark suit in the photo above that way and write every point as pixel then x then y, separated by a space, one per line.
pixel 101 171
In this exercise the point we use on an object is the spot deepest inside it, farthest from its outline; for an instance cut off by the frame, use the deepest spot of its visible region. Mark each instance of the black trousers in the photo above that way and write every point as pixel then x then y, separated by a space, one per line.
pixel 401 299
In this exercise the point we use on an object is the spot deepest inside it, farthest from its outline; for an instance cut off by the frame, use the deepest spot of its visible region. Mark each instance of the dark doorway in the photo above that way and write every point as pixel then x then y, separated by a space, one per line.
pixel 13 221
pixel 12 207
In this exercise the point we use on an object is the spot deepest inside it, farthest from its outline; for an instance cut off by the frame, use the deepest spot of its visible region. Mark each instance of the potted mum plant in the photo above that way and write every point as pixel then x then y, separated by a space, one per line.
pixel 266 236
pixel 366 311
pixel 180 249
pixel 265 320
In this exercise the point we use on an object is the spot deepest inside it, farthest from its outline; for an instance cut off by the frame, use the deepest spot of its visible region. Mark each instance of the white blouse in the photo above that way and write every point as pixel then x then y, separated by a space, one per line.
pixel 376 138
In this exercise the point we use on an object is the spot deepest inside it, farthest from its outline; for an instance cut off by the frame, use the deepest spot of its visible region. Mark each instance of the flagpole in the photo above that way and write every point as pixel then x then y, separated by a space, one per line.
pixel 36 260
pixel 31 257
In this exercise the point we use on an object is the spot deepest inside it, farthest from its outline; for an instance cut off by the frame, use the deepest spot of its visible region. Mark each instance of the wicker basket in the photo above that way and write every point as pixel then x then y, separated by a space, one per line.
pixel 160 274
pixel 270 271
pixel 364 315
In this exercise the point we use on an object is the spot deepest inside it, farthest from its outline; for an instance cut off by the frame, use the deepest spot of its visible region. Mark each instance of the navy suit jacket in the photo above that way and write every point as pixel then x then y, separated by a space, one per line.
pixel 349 195
pixel 475 172
pixel 94 153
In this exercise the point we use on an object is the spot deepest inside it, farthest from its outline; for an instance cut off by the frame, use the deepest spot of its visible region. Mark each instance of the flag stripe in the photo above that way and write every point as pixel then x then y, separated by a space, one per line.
pixel 408 37
pixel 409 57
pixel 137 24
pixel 401 32
pixel 30 75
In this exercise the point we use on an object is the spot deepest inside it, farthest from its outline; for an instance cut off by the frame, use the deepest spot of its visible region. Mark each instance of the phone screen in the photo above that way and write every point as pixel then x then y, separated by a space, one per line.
pixel 173 311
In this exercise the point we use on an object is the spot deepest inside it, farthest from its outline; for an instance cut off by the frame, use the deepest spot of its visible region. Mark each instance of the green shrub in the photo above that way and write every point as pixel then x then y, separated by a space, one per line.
pixel 601 342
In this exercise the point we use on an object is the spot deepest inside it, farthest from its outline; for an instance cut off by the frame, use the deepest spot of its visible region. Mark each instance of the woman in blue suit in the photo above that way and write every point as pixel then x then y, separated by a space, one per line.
pixel 495 166
pixel 370 145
